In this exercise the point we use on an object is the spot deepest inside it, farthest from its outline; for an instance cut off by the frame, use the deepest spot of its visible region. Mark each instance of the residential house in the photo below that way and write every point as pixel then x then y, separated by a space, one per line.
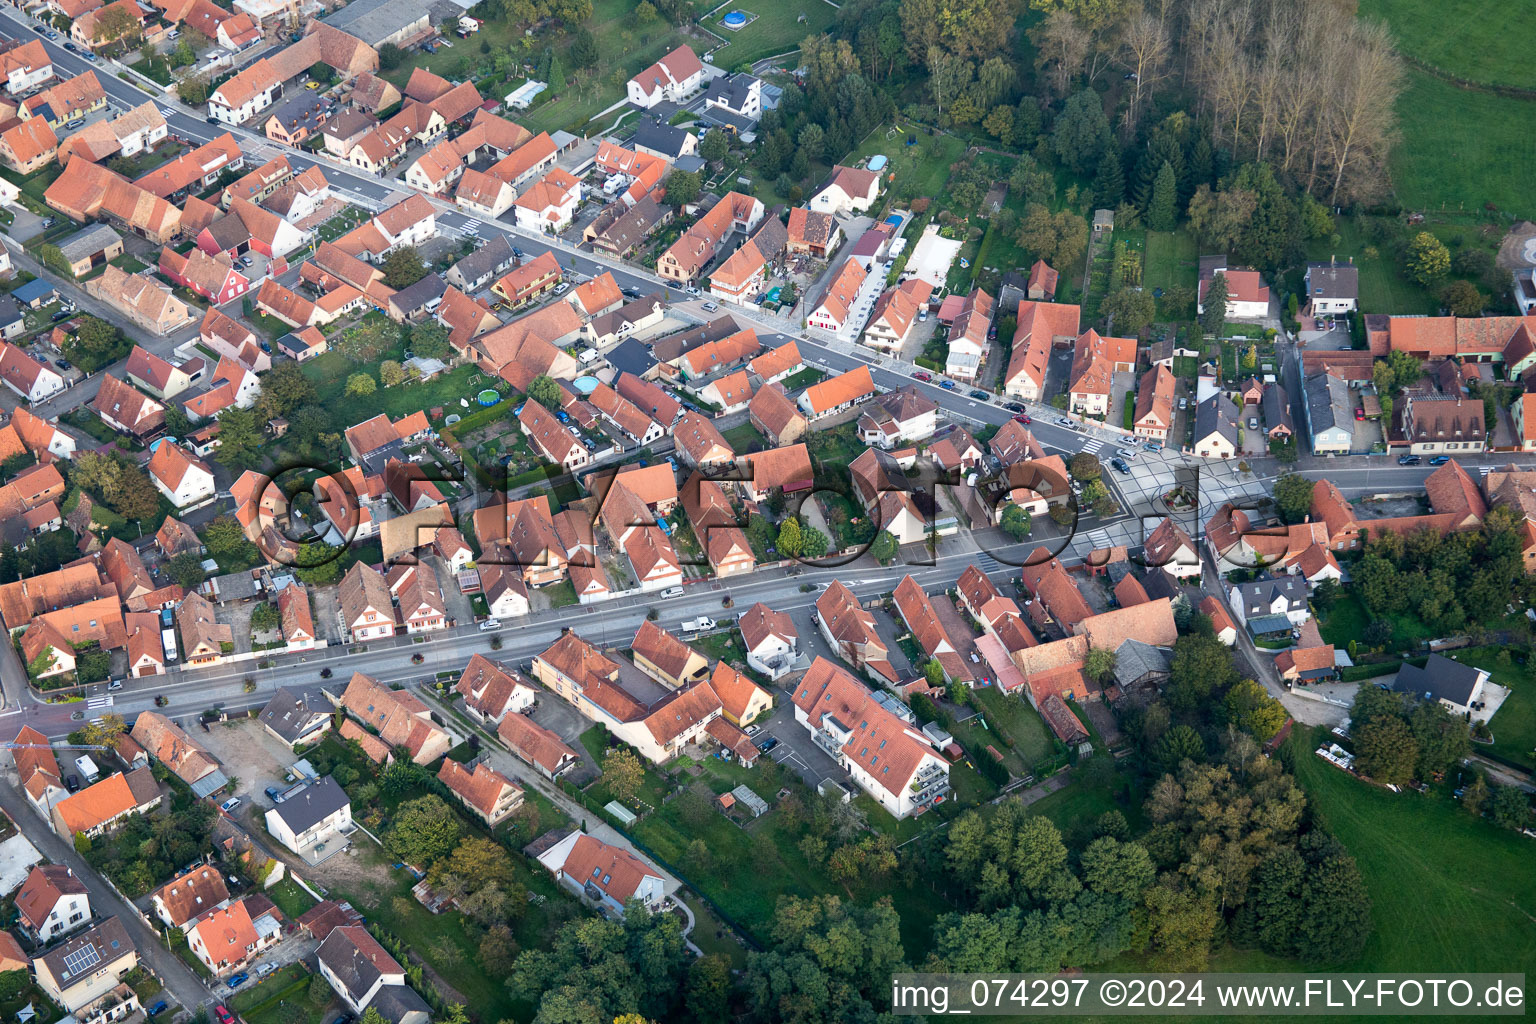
pixel 774 414
pixel 674 77
pixel 484 265
pixel 126 410
pixel 1216 430
pixel 1278 425
pixel 684 260
pixel 1332 289
pixel 157 376
pixel 230 937
pixel 850 629
pixel 1436 424
pixel 51 902
pixel 1306 664
pixel 296 716
pixel 665 142
pixel 849 190
pixel 608 876
pixel 665 658
pixel 550 439
pixel 771 640
pixel 99 807
pixel 786 469
pixel 399 717
pixel 969 329
pixel 361 972
pixel 550 203
pixel 1154 404
pixel 491 692
pixel 485 791
pixel 1095 361
pixel 190 895
pixel 700 444
pixel 28 145
pixel 145 301
pixel 1041 286
pixel 833 311
pixel 317 812
pixel 90 247
pixel 84 974
pixel 592 683
pixel 837 395
pixel 86 190
pixel 903 416
pixel 1247 297
pixel 1456 686
pixel 213 277
pixel 25 67
pixel 29 378
pixel 738 95
pixel 536 745
pixel 169 743
pixel 366 610
pixel 1329 414
pixel 812 232
pixel 529 279
pixel 1262 604
pixel 887 757
pixel 623 225
pixel 1171 548
pixel 1042 327
pixel 896 310
pixel 185 480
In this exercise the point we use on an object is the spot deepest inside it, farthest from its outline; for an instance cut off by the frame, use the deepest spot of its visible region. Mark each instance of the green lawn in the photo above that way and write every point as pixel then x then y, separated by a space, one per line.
pixel 1446 889
pixel 1032 740
pixel 1171 259
pixel 920 170
pixel 329 373
pixel 290 899
pixel 804 379
pixel 1345 621
pixel 1514 726
pixel 777 28
pixel 1473 40
pixel 270 988
pixel 1461 149
pixel 744 437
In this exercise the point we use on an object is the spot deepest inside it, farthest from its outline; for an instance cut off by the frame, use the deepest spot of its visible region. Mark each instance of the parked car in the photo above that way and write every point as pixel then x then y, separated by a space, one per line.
pixel 64 364
pixel 981 396
pixel 72 783
pixel 60 315
pixel 70 47
pixel 562 287
pixel 768 744
pixel 947 385
pixel 1183 403
pixel 710 307
pixel 922 315
pixel 225 1017
pixel 1359 413
pixel 672 592
pixel 1013 406
pixel 1120 464
pixel 158 1008
pixel 1063 421
pixel 262 970
pixel 116 684
pixel 1126 453
pixel 922 375
pixel 1253 422
pixel 1021 418
pixel 76 123
pixel 753 730
pixel 274 794
pixel 490 624
pixel 1409 460
pixel 1154 446
pixel 229 805
pixel 1439 460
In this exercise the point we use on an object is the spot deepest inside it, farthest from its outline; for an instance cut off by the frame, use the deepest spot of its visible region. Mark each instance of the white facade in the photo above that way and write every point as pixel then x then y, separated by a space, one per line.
pixel 144 138
pixel 196 486
pixel 773 650
pixel 337 821
pixel 22 80
pixel 220 110
pixel 72 911
pixel 904 801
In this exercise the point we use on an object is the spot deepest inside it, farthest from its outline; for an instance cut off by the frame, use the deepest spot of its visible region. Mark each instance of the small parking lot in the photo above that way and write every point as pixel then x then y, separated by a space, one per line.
pixel 796 749
pixel 257 759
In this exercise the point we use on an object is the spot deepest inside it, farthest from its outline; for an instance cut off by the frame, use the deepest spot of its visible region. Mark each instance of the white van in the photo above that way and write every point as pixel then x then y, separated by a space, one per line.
pixel 672 592
pixel 490 624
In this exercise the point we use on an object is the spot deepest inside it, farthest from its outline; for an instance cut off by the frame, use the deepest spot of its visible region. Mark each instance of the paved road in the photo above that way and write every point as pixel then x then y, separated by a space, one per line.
pixel 177 977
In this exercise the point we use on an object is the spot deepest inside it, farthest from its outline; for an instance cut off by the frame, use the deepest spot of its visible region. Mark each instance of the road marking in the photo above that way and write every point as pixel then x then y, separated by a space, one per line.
pixel 98 703
pixel 1092 445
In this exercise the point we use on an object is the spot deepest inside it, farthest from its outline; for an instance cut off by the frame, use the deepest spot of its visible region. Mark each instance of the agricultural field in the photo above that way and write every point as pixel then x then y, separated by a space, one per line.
pixel 1461 149
pixel 1466 38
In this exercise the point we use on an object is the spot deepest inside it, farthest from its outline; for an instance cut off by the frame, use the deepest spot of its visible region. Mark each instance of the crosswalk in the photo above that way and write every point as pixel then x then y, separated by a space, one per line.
pixel 1093 445
pixel 1098 539
pixel 98 703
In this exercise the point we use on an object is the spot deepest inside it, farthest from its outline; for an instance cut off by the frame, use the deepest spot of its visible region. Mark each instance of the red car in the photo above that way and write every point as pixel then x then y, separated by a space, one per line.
pixel 1359 414
pixel 922 375
pixel 225 1017
pixel 1023 419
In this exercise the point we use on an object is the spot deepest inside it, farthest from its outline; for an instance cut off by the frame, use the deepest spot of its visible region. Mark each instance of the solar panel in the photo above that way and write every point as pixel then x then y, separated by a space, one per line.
pixel 81 960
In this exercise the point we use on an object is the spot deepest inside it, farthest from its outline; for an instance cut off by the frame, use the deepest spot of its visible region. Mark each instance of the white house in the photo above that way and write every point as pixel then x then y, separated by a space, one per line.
pixel 673 78
pixel 51 902
pixel 247 93
pixel 306 817
pixel 1247 295
pixel 26 376
pixel 1451 683
pixel 26 67
pixel 1333 288
pixel 850 190
pixel 772 641
pixel 185 480
pixel 550 203
pixel 1270 598
pixel 739 94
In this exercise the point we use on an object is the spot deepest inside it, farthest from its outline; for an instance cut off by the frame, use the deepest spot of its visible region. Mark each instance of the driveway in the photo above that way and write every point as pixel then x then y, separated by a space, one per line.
pixel 797 751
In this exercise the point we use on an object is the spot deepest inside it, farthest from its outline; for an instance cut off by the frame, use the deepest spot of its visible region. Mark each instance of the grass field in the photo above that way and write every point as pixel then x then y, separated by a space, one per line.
pixel 776 29
pixel 1382 288
pixel 1031 739
pixel 1514 726
pixel 1446 889
pixel 920 170
pixel 1473 40
pixel 1171 259
pixel 1461 149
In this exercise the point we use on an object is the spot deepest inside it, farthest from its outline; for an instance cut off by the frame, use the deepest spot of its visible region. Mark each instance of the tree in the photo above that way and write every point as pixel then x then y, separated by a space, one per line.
pixel 54 259
pixel 187 570
pixel 682 188
pixel 1130 310
pixel 584 52
pixel 790 541
pixel 403 267
pixel 424 829
pixel 1250 707
pixel 934 673
pixel 1213 313
pixel 101 732
pixel 1463 299
pixel 113 23
pixel 1442 738
pixel 1293 497
pixel 714 146
pixel 429 340
pixel 223 536
pixel 284 388
pixel 240 439
pixel 322 72
pixel 1177 745
pixel 708 989
pixel 1085 467
pixel 885 547
pixel 623 773
pixel 95 344
pixel 360 384
pixel 1082 132
pixel 1510 807
pixel 545 391
pixel 1385 750
pixel 193 90
pixel 813 543
pixel 390 57
pixel 1201 665
pixel 391 373
pixel 1427 259
pixel 1016 521
pixel 1100 665
pixel 1162 208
